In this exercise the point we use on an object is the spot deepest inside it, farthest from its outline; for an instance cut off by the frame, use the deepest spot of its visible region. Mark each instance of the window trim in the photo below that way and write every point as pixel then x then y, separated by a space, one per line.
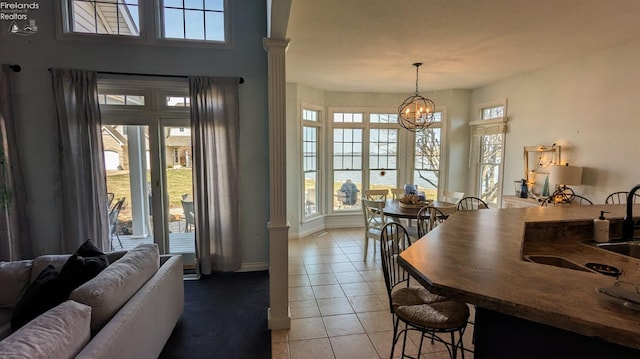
pixel 406 146
pixel 491 126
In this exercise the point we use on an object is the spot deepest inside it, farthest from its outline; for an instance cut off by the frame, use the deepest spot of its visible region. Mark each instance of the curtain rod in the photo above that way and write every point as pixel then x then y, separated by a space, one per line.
pixel 15 68
pixel 240 80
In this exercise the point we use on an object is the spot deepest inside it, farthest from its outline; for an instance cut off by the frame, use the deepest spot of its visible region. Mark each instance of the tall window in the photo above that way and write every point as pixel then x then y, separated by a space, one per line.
pixel 383 151
pixel 111 17
pixel 428 153
pixel 310 161
pixel 347 159
pixel 194 20
pixel 487 146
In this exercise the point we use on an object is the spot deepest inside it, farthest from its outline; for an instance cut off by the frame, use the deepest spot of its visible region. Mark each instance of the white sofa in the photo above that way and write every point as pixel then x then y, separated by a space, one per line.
pixel 127 311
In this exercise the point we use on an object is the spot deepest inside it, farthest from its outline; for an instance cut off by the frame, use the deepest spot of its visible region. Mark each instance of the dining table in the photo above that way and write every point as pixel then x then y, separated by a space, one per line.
pixel 393 209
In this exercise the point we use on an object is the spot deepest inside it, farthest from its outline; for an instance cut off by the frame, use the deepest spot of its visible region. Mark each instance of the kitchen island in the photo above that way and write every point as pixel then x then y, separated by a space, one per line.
pixel 526 309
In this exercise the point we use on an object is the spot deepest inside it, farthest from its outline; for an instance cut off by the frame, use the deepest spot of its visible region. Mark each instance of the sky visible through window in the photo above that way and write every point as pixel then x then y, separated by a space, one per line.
pixel 194 19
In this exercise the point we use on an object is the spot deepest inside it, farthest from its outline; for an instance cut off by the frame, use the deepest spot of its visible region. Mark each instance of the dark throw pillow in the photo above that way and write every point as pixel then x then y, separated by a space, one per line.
pixel 44 293
pixel 83 266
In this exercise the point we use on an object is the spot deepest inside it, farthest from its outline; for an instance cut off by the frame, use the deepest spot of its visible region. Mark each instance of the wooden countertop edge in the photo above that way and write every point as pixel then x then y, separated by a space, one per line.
pixel 625 332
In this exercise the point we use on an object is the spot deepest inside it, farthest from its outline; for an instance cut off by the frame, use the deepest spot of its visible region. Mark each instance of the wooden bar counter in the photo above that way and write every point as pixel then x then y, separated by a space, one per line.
pixel 526 309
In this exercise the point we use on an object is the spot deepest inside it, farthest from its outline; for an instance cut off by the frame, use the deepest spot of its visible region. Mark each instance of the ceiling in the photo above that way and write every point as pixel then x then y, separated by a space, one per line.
pixel 370 45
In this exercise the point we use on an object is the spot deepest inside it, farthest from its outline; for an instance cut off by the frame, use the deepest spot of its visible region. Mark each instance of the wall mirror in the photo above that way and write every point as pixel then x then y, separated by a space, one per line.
pixel 537 161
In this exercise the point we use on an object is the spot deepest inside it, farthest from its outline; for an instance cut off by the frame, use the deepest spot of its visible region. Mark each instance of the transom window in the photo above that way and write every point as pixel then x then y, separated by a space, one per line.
pixel 193 20
pixel 178 101
pixel 491 113
pixel 111 17
pixel 121 100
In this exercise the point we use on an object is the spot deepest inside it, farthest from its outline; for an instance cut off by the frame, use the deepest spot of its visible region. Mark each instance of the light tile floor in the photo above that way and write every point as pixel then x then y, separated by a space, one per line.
pixel 339 305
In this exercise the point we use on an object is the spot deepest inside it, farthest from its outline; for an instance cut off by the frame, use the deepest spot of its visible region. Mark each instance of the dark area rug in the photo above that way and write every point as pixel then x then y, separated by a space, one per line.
pixel 225 316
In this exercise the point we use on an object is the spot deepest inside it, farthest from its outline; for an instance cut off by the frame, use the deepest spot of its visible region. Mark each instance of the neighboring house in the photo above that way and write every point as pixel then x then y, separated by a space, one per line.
pixel 178 147
pixel 114 142
pixel 115 146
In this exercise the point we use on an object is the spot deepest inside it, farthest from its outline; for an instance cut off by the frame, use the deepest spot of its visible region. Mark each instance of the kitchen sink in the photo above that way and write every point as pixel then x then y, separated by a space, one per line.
pixel 629 248
pixel 555 261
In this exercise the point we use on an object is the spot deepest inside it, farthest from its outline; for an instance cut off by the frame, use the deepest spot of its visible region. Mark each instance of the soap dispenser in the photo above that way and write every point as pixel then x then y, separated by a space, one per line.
pixel 601 228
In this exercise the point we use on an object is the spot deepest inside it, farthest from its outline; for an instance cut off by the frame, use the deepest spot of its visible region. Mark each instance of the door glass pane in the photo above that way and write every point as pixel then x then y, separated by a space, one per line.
pixel 491 158
pixel 179 175
pixel 126 156
pixel 427 162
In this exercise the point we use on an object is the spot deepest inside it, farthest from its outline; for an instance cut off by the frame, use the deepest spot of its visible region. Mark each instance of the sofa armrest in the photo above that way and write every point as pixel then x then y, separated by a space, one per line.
pixel 142 326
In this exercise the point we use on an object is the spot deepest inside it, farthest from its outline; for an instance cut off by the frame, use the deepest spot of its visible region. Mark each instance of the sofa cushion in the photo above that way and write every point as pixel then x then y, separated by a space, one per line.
pixel 14 279
pixel 112 288
pixel 41 295
pixel 61 332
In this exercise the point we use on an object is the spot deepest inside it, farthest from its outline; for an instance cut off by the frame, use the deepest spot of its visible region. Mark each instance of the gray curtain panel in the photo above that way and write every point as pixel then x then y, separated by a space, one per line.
pixel 215 130
pixel 15 236
pixel 83 189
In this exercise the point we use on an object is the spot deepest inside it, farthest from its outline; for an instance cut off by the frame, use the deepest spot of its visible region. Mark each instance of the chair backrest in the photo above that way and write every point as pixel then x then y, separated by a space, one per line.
pixel 574 200
pixel 110 197
pixel 393 240
pixel 471 203
pixel 397 193
pixel 428 218
pixel 114 212
pixel 375 194
pixel 621 198
pixel 373 215
pixel 189 212
pixel 452 196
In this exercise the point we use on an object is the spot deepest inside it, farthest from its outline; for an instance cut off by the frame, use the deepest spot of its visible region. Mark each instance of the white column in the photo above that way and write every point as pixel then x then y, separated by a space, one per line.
pixel 139 200
pixel 279 316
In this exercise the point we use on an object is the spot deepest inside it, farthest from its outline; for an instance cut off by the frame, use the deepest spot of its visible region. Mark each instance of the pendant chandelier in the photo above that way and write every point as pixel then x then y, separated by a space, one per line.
pixel 416 112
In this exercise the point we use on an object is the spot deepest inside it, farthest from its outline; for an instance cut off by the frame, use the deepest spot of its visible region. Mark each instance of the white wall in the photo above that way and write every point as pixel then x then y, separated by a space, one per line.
pixel 36 111
pixel 589 106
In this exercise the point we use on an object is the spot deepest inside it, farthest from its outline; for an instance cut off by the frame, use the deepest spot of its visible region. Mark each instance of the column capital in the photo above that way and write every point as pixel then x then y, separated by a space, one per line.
pixel 274 44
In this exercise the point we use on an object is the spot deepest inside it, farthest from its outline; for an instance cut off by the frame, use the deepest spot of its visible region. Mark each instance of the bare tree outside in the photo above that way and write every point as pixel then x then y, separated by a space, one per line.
pixel 427 160
pixel 490 160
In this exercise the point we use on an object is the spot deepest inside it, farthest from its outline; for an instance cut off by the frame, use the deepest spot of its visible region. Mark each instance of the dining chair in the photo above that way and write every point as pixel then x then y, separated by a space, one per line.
pixel 415 306
pixel 428 218
pixel 573 200
pixel 310 201
pixel 397 193
pixel 621 198
pixel 374 220
pixel 189 214
pixel 452 196
pixel 375 194
pixel 471 203
pixel 114 212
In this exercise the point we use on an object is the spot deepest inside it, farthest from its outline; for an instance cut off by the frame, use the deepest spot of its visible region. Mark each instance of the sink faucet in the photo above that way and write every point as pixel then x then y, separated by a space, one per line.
pixel 628 225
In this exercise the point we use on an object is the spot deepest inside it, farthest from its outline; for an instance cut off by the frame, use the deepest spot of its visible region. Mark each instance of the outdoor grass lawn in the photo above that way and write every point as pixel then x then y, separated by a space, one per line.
pixel 179 182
